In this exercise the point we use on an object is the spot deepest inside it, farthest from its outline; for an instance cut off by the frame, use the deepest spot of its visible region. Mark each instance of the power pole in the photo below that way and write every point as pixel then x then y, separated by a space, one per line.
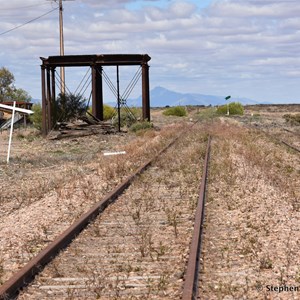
pixel 61 43
pixel 62 48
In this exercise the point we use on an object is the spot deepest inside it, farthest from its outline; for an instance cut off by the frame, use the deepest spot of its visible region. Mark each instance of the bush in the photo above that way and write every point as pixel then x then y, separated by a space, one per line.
pixel 108 112
pixel 140 126
pixel 178 111
pixel 128 116
pixel 207 113
pixel 136 111
pixel 36 117
pixel 292 119
pixel 68 107
pixel 235 108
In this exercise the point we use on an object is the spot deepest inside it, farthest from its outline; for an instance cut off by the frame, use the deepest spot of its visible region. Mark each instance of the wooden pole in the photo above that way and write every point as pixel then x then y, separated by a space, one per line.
pixel 62 48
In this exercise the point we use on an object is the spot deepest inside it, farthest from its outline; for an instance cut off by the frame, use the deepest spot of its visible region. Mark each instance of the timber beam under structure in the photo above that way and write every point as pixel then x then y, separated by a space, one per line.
pixel 96 62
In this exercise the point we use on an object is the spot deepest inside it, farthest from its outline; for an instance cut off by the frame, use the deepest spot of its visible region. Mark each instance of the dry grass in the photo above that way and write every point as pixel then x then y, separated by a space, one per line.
pixel 49 199
pixel 143 238
pixel 252 216
pixel 252 226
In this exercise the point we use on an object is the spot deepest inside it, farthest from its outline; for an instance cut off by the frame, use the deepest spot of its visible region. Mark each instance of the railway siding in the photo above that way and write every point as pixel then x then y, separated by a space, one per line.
pixel 139 245
pixel 32 216
pixel 251 235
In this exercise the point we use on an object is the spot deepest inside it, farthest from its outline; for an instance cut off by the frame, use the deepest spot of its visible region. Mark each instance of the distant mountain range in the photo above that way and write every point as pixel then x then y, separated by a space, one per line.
pixel 161 97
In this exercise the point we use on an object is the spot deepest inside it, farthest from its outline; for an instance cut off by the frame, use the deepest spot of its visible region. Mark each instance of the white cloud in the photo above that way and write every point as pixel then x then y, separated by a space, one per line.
pixel 182 9
pixel 255 9
pixel 212 50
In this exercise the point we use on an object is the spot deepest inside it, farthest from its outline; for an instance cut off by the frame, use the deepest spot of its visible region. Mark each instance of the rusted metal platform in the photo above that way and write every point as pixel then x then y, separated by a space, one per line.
pixel 96 59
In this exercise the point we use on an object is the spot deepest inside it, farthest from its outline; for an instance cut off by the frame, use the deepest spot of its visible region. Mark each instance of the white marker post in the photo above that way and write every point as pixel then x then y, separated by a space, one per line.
pixel 11 130
pixel 114 153
pixel 14 109
pixel 227 98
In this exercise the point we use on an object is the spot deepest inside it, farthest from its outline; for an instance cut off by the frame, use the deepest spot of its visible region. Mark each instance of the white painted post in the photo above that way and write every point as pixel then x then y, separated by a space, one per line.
pixel 114 153
pixel 11 130
pixel 14 108
pixel 227 98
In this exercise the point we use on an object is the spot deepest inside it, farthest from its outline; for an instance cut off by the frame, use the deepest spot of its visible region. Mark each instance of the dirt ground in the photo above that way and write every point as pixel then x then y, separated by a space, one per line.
pixel 251 232
pixel 48 184
pixel 139 243
pixel 251 236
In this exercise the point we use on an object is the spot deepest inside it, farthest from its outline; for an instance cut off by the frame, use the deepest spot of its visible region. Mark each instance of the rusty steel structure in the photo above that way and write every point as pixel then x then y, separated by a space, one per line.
pixel 96 63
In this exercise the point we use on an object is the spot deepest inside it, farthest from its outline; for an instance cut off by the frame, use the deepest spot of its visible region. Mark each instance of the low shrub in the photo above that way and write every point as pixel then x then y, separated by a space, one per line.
pixel 292 119
pixel 235 108
pixel 178 111
pixel 108 112
pixel 36 117
pixel 207 113
pixel 68 107
pixel 128 116
pixel 140 126
pixel 136 111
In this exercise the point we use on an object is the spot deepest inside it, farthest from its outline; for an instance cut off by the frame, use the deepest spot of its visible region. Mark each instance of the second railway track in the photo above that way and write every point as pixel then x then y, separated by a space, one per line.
pixel 138 247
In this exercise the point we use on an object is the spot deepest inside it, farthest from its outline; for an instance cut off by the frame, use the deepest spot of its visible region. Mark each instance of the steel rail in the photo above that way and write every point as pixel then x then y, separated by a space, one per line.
pixel 289 145
pixel 290 131
pixel 11 288
pixel 272 136
pixel 190 287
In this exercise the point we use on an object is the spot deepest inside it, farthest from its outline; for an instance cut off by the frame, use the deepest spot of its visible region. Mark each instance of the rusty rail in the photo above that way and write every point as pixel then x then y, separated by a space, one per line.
pixel 190 287
pixel 290 131
pixel 290 146
pixel 272 136
pixel 11 288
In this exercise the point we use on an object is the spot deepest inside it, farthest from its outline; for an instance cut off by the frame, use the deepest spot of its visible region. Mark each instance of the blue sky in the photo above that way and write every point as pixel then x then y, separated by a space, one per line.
pixel 245 48
pixel 163 4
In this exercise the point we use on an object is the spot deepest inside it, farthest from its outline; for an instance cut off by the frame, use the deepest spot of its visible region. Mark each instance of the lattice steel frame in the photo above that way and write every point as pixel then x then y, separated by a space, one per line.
pixel 96 62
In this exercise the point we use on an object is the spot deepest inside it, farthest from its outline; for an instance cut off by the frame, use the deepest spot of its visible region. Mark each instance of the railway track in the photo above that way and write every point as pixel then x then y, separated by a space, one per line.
pixel 190 288
pixel 138 246
pixel 290 146
pixel 278 139
pixel 292 132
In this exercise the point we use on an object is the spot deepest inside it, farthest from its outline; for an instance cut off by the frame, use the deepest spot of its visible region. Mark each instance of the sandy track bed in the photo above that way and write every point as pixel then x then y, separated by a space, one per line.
pixel 45 203
pixel 252 227
pixel 138 247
